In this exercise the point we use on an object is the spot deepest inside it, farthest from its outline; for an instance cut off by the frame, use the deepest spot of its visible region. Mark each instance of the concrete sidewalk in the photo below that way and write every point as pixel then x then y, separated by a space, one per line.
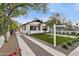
pixel 67 36
pixel 25 50
pixel 35 48
pixel 45 47
pixel 75 52
pixel 10 47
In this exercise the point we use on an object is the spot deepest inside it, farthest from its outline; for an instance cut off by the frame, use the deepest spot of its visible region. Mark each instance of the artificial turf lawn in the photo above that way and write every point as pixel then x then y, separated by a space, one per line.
pixel 45 37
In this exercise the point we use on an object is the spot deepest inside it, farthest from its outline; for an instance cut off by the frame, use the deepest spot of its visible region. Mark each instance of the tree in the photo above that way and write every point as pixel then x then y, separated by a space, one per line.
pixel 8 10
pixel 69 24
pixel 13 26
pixel 55 19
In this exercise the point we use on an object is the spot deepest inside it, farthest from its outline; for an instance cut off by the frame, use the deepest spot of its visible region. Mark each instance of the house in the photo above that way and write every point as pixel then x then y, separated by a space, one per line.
pixel 66 30
pixel 59 29
pixel 34 27
pixel 63 29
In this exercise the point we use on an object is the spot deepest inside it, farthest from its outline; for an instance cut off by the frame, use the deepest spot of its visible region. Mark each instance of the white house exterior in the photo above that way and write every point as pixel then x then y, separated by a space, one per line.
pixel 65 30
pixel 34 27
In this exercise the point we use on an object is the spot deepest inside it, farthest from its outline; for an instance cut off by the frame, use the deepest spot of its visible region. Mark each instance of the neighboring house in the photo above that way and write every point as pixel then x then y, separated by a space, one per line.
pixel 59 29
pixel 34 27
pixel 63 29
pixel 66 30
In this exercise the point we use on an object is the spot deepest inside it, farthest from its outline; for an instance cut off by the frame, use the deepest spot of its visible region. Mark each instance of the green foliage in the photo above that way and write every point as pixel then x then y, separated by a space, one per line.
pixel 69 43
pixel 65 46
pixel 9 10
pixel 54 19
pixel 13 25
pixel 45 37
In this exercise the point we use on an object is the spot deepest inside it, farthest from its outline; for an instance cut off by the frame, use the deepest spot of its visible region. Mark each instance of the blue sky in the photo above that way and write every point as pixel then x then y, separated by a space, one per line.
pixel 67 10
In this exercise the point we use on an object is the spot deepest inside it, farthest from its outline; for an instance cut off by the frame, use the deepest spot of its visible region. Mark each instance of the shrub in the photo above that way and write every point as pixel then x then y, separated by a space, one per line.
pixel 72 41
pixel 75 40
pixel 65 46
pixel 73 33
pixel 78 34
pixel 69 43
pixel 77 37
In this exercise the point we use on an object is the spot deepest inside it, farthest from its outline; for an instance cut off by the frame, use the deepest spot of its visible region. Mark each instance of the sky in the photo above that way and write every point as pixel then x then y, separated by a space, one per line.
pixel 67 10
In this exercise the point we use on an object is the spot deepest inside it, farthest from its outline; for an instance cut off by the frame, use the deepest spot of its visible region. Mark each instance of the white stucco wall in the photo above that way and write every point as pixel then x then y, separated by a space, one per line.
pixel 28 31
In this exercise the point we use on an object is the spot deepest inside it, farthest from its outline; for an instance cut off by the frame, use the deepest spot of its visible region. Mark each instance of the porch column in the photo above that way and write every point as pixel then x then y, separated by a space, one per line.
pixel 28 29
pixel 48 29
pixel 41 28
pixel 36 28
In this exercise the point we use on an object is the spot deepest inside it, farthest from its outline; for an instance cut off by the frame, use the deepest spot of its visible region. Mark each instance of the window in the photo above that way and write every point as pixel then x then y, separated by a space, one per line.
pixel 44 28
pixel 32 27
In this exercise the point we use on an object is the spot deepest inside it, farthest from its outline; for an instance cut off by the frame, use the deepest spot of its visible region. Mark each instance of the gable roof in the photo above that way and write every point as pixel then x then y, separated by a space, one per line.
pixel 32 21
pixel 37 21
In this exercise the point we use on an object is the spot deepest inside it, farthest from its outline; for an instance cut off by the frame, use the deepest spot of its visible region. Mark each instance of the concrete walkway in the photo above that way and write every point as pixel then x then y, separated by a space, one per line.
pixel 45 47
pixel 63 35
pixel 75 52
pixel 25 50
pixel 67 36
pixel 10 47
pixel 35 48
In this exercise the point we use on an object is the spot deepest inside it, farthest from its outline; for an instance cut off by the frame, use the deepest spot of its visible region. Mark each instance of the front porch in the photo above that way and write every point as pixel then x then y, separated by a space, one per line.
pixel 38 29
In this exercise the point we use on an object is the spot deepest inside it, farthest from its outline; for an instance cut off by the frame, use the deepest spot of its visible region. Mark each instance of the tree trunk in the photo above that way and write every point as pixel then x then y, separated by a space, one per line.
pixel 5 36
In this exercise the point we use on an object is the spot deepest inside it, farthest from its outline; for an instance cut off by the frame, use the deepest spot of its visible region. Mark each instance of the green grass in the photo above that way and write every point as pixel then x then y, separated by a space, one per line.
pixel 45 37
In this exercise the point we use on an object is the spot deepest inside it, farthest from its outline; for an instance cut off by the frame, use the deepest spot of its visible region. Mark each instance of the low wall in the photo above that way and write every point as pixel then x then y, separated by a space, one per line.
pixel 33 32
pixel 1 40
